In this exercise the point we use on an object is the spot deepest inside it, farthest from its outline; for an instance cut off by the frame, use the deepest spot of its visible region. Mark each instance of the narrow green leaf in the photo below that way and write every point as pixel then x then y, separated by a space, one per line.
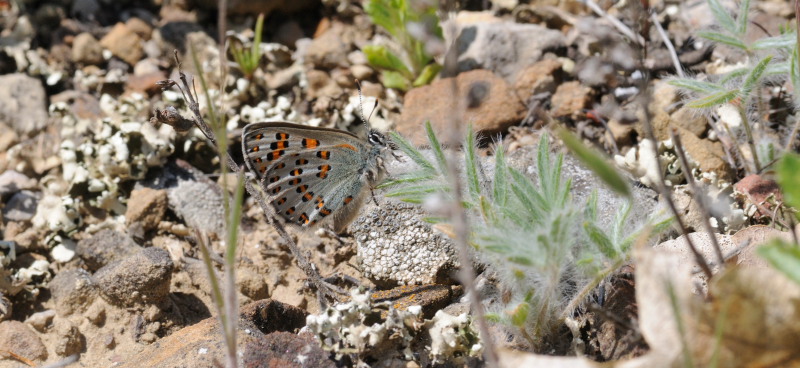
pixel 436 147
pixel 754 77
pixel 417 190
pixel 487 211
pixel 394 80
pixel 405 179
pixel 786 40
pixel 741 20
pixel 722 16
pixel 500 192
pixel 696 85
pixel 788 170
pixel 428 73
pixel 600 239
pixel 591 207
pixel 471 163
pixel 543 163
pixel 379 56
pixel 412 152
pixel 785 257
pixel 520 314
pixel 723 39
pixel 737 73
pixel 595 162
pixel 715 99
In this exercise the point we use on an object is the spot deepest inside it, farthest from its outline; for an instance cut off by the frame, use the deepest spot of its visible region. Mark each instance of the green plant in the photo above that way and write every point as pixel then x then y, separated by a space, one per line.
pixel 249 59
pixel 783 255
pixel 531 233
pixel 765 61
pixel 416 66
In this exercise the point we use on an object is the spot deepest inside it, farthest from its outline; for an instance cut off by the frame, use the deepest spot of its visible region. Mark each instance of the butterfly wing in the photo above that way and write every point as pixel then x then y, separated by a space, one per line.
pixel 307 172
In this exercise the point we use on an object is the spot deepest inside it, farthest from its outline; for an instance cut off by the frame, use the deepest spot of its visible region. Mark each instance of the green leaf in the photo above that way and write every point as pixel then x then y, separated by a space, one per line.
pixel 437 148
pixel 394 80
pixel 471 163
pixel 520 260
pixel 500 188
pixel 412 152
pixel 600 239
pixel 386 14
pixel 696 85
pixel 723 39
pixel 595 162
pixel 737 73
pixel 715 99
pixel 754 77
pixel 741 20
pixel 786 40
pixel 379 56
pixel 520 314
pixel 405 179
pixel 788 170
pixel 417 191
pixel 723 17
pixel 428 73
pixel 785 257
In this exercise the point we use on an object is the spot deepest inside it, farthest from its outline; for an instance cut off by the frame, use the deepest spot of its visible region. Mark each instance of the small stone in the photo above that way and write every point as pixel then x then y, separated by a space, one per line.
pixel 707 154
pixel 123 43
pixel 69 340
pixel 570 99
pixel 760 192
pixel 543 76
pixel 146 206
pixel 17 338
pixel 73 290
pixel 362 72
pixel 490 104
pixel 104 247
pixel 40 320
pixel 23 104
pixel 21 206
pixel 139 27
pixel 145 83
pixel 328 51
pixel 141 278
pixel 87 50
pixel 321 84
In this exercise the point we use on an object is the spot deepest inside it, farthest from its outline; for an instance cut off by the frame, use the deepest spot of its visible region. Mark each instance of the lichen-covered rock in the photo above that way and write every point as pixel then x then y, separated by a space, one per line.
pixel 396 247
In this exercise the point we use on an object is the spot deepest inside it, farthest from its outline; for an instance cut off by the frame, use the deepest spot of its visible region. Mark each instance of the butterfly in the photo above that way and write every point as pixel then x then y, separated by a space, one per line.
pixel 312 175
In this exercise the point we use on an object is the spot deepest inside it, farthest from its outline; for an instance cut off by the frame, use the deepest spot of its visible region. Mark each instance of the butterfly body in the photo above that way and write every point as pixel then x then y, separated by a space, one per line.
pixel 314 175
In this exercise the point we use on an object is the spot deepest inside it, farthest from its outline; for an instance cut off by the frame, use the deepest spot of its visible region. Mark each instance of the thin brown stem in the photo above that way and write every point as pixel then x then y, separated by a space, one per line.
pixel 699 198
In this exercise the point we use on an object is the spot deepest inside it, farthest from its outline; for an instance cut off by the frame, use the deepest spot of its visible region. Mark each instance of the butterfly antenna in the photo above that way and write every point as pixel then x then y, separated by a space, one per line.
pixel 361 102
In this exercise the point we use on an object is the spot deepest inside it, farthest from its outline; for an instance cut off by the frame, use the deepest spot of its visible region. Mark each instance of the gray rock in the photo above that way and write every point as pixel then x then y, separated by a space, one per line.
pixel 23 104
pixel 141 279
pixel 69 341
pixel 17 338
pixel 199 204
pixel 505 48
pixel 40 320
pixel 12 181
pixel 104 247
pixel 73 291
pixel 21 206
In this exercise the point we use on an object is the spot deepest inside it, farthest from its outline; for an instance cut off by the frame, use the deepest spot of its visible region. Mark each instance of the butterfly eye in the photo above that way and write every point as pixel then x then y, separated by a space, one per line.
pixel 376 138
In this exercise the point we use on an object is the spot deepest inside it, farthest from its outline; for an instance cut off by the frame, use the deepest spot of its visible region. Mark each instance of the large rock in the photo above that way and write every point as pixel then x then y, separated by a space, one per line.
pixel 104 247
pixel 488 102
pixel 22 104
pixel 73 291
pixel 17 338
pixel 124 43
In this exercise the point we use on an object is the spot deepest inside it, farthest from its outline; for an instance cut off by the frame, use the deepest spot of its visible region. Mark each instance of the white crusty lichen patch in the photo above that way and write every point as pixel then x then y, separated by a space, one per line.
pixel 355 328
pixel 395 245
pixel 452 337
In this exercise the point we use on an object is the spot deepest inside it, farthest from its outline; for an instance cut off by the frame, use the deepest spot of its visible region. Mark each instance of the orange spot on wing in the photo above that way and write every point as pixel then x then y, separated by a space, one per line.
pixel 345 145
pixel 310 143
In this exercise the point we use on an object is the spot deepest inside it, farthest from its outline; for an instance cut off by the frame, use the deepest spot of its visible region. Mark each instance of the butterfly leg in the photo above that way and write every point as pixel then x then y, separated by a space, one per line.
pixel 372 192
pixel 324 231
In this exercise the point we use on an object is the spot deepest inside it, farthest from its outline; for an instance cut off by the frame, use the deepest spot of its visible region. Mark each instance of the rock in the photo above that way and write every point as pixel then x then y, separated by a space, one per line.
pixel 757 191
pixel 199 204
pixel 622 132
pixel 570 99
pixel 104 247
pixel 754 237
pixel 431 297
pixel 328 51
pixel 17 338
pixel 251 7
pixel 707 154
pixel 87 50
pixel 8 138
pixel 12 181
pixel 543 76
pixel 506 48
pixel 24 104
pixel 690 119
pixel 664 95
pixel 139 27
pixel 489 104
pixel 21 206
pixel 362 72
pixel 147 207
pixel 123 43
pixel 82 104
pixel 704 246
pixel 69 339
pixel 141 278
pixel 145 83
pixel 283 349
pixel 73 291
pixel 396 247
pixel 196 345
pixel 251 282
pixel 40 320
pixel 320 84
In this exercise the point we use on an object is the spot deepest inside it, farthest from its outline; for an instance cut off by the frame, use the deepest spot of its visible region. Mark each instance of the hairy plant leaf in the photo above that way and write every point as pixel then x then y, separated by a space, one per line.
pixel 696 85
pixel 438 153
pixel 755 76
pixel 741 19
pixel 786 40
pixel 412 152
pixel 715 99
pixel 595 162
pixel 392 79
pixel 723 39
pixel 722 16
pixel 471 165
pixel 600 239
pixel 379 56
